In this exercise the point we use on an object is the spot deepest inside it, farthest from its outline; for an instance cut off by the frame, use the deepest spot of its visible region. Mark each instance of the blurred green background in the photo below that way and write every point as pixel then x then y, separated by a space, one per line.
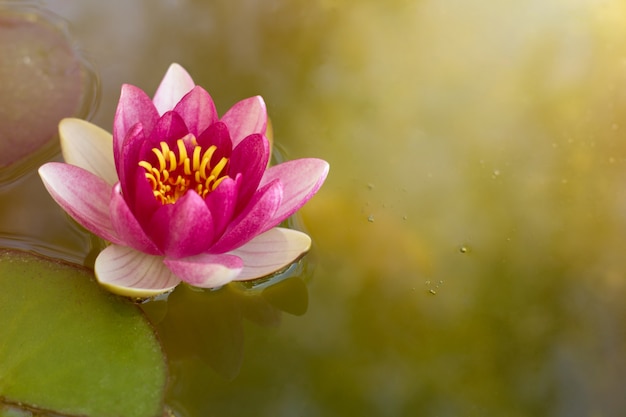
pixel 469 239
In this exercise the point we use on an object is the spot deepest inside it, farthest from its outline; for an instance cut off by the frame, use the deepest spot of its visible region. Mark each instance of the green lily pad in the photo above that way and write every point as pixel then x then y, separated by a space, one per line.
pixel 44 79
pixel 70 347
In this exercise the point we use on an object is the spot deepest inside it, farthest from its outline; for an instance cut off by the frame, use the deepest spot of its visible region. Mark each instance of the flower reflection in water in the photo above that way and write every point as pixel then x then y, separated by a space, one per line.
pixel 202 329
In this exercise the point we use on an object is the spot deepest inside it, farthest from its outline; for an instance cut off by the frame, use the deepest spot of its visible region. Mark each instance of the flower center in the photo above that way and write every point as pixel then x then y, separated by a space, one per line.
pixel 177 170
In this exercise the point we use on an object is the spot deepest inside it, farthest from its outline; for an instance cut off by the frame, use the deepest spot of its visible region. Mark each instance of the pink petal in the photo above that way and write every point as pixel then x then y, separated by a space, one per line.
pixel 175 84
pixel 245 118
pixel 169 128
pixel 136 148
pixel 197 110
pixel 301 178
pixel 140 198
pixel 127 226
pixel 127 157
pixel 217 134
pixel 221 203
pixel 204 270
pixel 184 228
pixel 89 147
pixel 125 271
pixel 251 221
pixel 82 195
pixel 271 251
pixel 133 107
pixel 249 159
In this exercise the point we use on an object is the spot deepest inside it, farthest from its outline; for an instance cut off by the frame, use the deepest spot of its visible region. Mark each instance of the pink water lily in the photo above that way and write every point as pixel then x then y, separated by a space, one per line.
pixel 181 194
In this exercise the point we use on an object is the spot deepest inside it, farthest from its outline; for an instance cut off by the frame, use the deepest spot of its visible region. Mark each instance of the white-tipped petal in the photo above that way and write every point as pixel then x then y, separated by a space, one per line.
pixel 125 271
pixel 83 195
pixel 245 118
pixel 206 270
pixel 87 146
pixel 175 84
pixel 300 178
pixel 270 252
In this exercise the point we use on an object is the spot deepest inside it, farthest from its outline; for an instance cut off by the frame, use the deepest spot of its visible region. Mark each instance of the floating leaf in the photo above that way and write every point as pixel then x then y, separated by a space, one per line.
pixel 70 347
pixel 44 80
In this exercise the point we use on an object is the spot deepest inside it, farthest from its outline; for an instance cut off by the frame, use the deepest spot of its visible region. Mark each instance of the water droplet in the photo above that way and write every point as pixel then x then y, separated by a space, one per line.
pixel 433 292
pixel 370 218
pixel 370 186
pixel 463 249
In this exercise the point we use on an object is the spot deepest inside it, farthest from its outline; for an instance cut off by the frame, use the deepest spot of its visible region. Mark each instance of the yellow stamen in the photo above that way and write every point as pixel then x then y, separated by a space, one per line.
pixel 160 157
pixel 152 180
pixel 206 160
pixel 219 167
pixel 165 148
pixel 145 165
pixel 173 163
pixel 217 182
pixel 196 158
pixel 182 150
pixel 171 173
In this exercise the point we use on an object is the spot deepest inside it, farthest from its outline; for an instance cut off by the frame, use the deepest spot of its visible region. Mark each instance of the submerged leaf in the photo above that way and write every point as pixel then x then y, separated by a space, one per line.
pixel 68 346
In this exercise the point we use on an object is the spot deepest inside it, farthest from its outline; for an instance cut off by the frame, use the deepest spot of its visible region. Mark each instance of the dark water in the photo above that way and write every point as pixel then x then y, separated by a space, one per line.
pixel 469 241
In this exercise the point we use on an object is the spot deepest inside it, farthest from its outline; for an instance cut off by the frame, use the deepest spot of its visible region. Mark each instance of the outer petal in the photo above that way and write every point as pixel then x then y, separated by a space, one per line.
pixel 197 110
pixel 245 118
pixel 184 228
pixel 125 271
pixel 89 147
pixel 82 195
pixel 271 251
pixel 301 178
pixel 134 107
pixel 250 222
pixel 206 271
pixel 175 84
pixel 127 226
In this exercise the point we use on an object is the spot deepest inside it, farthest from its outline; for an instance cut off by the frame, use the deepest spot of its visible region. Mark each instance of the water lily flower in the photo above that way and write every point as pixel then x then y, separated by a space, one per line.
pixel 181 194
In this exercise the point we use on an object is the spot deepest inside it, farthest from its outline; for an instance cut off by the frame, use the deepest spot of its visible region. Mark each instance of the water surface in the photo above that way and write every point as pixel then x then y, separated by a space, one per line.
pixel 469 240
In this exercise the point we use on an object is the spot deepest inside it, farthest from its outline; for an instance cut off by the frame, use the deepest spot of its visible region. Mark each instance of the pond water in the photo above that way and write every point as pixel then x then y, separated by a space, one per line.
pixel 469 241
